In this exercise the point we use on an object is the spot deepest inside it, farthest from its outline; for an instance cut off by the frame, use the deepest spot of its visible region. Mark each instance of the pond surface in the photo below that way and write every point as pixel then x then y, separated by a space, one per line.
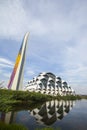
pixel 66 115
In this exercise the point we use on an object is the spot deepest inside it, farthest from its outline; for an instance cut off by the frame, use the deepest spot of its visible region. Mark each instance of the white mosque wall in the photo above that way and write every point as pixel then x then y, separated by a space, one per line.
pixel 48 83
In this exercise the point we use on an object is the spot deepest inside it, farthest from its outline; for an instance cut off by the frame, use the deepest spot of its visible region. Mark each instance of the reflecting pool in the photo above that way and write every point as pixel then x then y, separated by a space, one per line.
pixel 66 115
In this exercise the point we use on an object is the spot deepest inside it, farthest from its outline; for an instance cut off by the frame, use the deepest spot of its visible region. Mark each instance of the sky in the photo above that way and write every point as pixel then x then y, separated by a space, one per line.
pixel 57 42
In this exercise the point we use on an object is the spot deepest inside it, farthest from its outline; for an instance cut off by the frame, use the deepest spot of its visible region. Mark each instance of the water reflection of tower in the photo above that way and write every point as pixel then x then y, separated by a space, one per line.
pixel 52 111
pixel 8 118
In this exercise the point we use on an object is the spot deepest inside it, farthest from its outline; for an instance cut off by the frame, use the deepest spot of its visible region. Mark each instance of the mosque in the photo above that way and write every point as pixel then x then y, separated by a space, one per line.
pixel 48 83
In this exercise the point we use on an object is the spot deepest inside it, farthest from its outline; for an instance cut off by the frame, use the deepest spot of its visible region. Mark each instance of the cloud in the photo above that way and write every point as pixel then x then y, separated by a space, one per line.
pixel 30 72
pixel 15 21
pixel 52 19
pixel 5 62
pixel 5 67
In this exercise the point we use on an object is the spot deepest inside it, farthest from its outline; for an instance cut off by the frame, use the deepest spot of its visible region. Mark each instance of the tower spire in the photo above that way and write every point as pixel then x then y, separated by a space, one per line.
pixel 16 79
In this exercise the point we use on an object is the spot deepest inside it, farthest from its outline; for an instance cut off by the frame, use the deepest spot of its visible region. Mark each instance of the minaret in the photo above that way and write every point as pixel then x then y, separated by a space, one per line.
pixel 16 79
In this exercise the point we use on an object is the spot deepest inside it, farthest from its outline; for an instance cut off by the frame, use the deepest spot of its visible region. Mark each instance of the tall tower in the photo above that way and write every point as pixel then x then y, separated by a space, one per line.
pixel 16 79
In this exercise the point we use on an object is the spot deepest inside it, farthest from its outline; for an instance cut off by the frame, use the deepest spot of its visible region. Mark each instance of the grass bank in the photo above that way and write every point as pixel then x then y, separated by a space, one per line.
pixel 83 96
pixel 10 99
pixel 4 126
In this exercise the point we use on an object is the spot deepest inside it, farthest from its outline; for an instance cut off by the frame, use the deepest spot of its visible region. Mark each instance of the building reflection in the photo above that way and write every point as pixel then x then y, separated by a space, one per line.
pixel 52 111
pixel 47 114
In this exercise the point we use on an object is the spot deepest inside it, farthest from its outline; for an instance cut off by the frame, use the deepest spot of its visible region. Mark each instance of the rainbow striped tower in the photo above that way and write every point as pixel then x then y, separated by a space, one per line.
pixel 16 79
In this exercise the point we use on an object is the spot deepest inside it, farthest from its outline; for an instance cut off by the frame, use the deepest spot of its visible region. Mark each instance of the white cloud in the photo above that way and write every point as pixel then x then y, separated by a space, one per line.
pixel 5 65
pixel 52 19
pixel 5 61
pixel 30 72
pixel 15 21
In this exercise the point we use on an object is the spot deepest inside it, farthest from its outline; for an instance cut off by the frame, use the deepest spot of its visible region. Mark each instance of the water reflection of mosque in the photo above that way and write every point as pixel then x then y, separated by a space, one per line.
pixel 52 111
pixel 47 114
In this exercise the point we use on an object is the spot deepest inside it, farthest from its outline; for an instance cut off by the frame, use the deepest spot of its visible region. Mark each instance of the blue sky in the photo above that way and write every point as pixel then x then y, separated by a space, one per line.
pixel 57 41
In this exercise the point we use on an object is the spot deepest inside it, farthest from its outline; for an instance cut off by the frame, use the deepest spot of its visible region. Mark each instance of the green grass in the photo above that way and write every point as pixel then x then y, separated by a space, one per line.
pixel 9 99
pixel 4 126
